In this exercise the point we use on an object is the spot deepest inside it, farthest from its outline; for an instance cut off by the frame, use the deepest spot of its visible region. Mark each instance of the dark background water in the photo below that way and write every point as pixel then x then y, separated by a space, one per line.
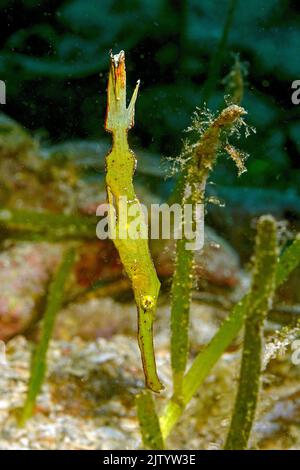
pixel 54 60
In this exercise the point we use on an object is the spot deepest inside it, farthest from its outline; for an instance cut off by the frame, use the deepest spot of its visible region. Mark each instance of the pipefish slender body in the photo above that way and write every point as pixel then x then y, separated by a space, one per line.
pixel 127 221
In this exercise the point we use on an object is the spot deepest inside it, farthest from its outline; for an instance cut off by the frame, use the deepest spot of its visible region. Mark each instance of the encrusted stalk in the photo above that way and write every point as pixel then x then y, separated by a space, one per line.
pixel 208 357
pixel 258 303
pixel 201 160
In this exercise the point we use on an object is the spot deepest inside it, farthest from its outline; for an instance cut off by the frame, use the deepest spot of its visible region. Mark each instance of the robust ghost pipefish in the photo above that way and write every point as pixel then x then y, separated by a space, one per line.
pixel 127 214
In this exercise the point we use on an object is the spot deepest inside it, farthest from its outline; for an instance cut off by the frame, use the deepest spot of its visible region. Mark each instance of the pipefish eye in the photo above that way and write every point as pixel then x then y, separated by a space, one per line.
pixel 147 302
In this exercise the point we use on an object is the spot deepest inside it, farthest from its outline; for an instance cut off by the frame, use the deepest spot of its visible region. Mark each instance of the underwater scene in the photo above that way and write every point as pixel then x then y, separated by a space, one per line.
pixel 149 225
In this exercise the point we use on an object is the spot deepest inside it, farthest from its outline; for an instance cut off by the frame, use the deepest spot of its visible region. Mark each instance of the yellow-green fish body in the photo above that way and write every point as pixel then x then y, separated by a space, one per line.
pixel 127 221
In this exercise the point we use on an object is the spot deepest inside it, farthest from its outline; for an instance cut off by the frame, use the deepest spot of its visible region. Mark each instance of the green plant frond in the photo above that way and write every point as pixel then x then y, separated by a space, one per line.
pixel 39 358
pixel 26 224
